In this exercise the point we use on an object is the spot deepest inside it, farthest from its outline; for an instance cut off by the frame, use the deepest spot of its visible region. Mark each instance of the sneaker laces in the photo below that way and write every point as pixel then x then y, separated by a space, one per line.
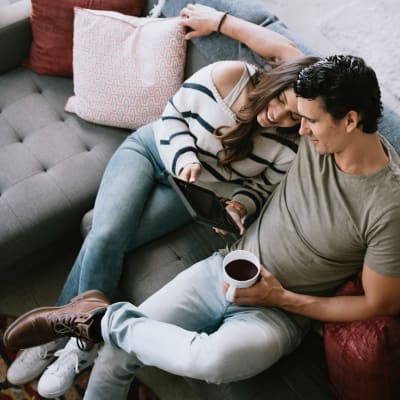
pixel 82 344
pixel 62 355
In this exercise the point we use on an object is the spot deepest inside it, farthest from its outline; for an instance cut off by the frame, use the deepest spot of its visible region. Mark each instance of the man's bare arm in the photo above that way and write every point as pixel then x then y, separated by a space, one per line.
pixel 382 297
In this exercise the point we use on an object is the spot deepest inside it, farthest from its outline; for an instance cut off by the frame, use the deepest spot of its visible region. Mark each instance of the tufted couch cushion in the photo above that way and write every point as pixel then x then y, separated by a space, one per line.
pixel 51 162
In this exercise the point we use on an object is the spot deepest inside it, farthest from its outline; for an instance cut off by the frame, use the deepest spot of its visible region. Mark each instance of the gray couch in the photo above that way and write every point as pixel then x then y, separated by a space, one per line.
pixel 51 163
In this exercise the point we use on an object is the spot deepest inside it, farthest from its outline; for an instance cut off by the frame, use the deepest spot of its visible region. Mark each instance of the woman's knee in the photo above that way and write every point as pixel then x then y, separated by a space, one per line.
pixel 106 239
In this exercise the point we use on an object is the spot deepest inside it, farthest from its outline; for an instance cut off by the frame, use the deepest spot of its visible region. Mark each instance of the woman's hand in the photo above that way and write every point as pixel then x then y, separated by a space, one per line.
pixel 203 20
pixel 238 221
pixel 190 172
pixel 237 211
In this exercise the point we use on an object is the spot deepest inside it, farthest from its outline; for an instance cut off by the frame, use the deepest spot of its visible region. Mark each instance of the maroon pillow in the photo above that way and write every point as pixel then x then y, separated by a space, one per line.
pixel 52 28
pixel 363 357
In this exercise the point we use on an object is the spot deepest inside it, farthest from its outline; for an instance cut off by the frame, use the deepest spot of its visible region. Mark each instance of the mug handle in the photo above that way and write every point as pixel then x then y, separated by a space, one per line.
pixel 229 295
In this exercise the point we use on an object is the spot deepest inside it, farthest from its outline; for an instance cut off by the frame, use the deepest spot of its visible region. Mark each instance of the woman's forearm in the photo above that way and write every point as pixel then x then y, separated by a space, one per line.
pixel 261 40
pixel 203 20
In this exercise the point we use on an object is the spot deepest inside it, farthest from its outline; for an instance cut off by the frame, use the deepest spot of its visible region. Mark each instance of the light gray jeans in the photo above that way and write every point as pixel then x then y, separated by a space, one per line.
pixel 188 328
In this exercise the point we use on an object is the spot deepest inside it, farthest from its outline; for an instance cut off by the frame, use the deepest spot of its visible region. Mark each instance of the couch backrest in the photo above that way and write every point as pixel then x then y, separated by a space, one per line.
pixel 149 5
pixel 15 34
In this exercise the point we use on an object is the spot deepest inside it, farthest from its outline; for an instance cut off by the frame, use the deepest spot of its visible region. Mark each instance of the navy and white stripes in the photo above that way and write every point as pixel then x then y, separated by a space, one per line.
pixel 185 134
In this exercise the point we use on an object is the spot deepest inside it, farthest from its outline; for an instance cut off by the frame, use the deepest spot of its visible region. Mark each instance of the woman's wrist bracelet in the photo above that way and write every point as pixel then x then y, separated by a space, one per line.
pixel 221 21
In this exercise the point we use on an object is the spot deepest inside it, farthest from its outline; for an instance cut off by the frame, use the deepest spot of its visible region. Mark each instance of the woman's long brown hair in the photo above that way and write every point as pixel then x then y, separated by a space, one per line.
pixel 237 141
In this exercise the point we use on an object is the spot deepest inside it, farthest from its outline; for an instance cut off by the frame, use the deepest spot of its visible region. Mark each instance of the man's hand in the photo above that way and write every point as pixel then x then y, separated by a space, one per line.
pixel 190 172
pixel 203 20
pixel 265 293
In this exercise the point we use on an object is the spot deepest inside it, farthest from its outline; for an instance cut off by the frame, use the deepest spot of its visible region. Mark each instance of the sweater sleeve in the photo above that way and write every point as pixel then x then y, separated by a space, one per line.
pixel 176 140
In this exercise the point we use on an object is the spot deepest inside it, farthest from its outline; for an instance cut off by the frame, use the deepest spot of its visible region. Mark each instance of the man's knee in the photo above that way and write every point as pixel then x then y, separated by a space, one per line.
pixel 215 367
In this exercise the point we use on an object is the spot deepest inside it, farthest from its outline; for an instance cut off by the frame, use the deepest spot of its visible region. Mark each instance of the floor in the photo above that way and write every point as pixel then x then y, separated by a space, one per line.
pixel 307 18
pixel 42 285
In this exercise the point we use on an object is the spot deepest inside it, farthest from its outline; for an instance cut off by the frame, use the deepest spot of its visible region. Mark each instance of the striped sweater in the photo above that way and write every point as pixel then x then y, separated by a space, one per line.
pixel 185 134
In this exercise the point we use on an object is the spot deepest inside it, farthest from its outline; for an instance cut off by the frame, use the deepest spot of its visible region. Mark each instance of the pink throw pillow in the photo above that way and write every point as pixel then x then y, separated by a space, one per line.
pixel 125 68
pixel 363 357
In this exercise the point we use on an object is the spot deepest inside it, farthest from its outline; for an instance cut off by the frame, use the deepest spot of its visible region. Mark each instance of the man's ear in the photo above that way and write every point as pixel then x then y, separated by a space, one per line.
pixel 352 119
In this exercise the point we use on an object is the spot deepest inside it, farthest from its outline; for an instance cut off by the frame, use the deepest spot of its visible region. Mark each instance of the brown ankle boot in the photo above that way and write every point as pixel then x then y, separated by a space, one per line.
pixel 80 318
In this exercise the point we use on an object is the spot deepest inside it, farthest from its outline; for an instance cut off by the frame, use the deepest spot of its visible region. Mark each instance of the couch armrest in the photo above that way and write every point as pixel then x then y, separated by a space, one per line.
pixel 15 34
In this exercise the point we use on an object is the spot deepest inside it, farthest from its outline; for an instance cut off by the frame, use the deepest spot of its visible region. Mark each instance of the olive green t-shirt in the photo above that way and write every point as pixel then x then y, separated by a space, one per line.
pixel 321 225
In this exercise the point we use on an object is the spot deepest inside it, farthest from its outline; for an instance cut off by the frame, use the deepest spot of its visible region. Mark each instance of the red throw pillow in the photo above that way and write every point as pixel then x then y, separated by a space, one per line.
pixel 363 357
pixel 52 29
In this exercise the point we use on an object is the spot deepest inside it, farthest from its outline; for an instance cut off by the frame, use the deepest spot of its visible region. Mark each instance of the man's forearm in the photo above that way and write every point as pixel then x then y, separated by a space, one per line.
pixel 381 298
pixel 329 309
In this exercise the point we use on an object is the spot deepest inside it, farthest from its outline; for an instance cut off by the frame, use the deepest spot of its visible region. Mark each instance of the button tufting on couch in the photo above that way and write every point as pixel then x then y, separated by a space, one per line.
pixel 51 162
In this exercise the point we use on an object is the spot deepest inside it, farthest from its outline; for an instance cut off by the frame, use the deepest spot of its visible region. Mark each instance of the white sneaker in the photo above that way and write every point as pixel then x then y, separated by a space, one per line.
pixel 30 363
pixel 60 375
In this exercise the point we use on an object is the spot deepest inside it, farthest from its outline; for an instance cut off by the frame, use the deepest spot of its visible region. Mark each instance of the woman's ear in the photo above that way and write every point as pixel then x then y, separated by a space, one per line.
pixel 352 120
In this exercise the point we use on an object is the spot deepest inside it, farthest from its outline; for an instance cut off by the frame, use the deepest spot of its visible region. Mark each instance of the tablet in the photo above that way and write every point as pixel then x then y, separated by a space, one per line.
pixel 203 205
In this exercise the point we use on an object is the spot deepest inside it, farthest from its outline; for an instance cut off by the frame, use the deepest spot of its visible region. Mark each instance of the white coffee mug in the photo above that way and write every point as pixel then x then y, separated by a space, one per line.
pixel 241 270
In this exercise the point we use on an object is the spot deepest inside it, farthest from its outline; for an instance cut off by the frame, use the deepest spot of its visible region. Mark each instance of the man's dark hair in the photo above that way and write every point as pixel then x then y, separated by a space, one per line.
pixel 343 83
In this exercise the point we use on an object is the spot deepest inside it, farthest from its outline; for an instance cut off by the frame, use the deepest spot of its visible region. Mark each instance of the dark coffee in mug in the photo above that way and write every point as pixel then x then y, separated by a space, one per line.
pixel 241 270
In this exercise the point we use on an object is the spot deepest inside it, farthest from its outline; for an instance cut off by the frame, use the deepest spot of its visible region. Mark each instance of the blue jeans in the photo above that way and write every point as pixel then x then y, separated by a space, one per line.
pixel 134 205
pixel 188 328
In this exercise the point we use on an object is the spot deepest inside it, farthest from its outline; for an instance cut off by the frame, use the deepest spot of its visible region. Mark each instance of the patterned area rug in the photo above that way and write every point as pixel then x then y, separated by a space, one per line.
pixel 28 392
